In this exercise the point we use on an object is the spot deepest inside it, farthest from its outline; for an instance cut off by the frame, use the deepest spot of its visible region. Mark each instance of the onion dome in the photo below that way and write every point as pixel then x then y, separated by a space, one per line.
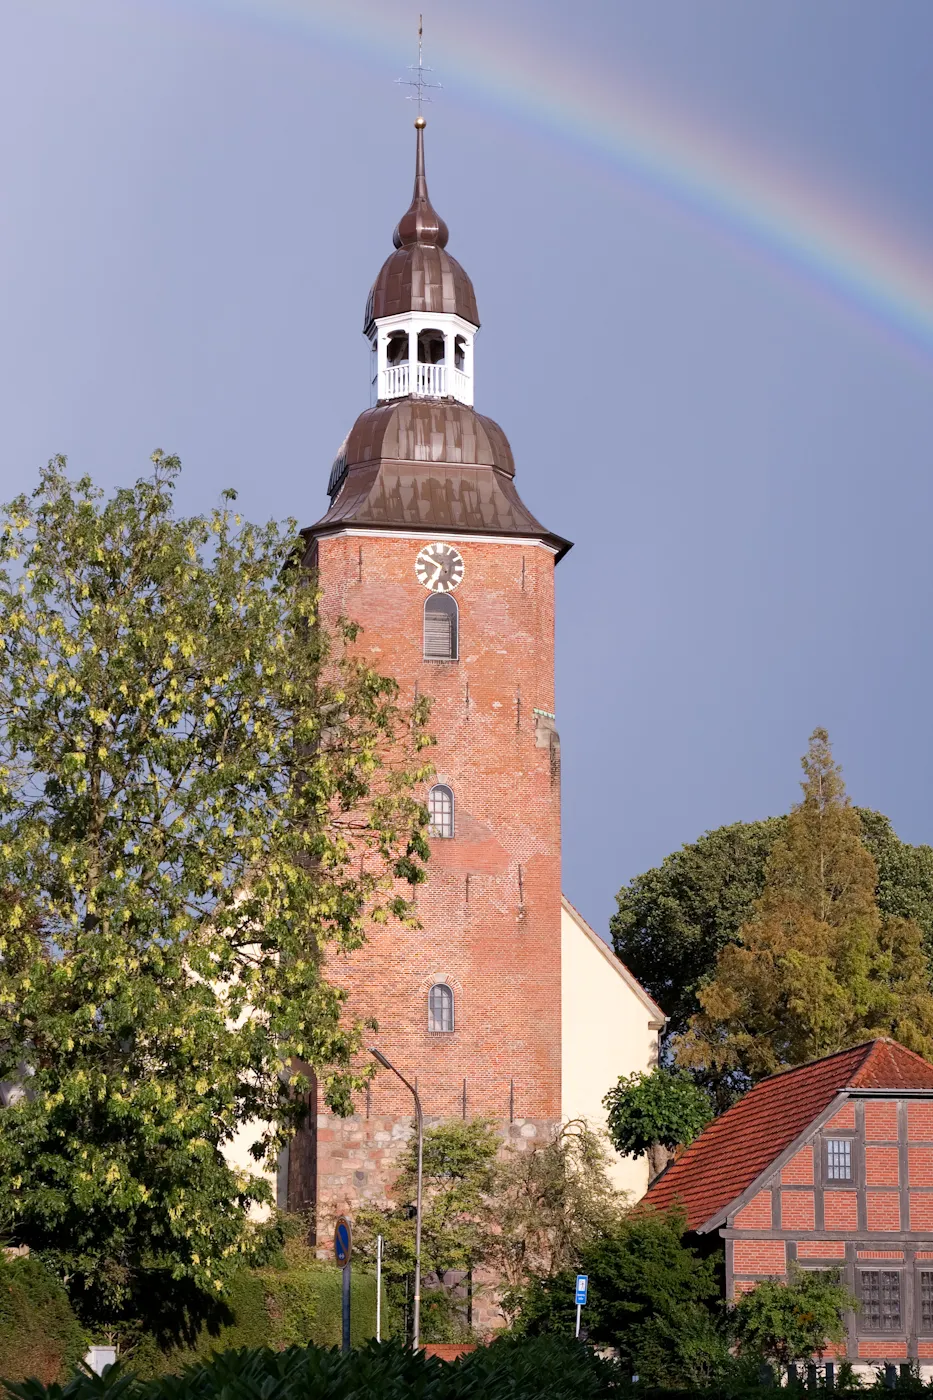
pixel 431 465
pixel 421 275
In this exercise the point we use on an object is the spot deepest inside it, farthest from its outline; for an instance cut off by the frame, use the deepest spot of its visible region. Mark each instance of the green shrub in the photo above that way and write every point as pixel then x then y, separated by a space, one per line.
pixel 39 1333
pixel 538 1369
pixel 269 1307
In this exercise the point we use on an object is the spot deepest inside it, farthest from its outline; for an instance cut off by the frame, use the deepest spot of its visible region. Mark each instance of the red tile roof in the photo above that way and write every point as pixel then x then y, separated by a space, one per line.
pixel 737 1147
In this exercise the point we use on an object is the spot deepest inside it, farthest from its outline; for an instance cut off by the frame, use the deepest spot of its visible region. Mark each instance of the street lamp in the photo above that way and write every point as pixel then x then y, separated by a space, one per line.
pixel 419 1117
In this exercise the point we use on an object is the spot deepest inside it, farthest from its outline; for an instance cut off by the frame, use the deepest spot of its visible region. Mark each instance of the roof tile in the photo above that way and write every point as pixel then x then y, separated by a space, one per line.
pixel 737 1147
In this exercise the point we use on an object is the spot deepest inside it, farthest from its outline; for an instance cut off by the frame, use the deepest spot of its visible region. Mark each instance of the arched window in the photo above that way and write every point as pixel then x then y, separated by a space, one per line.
pixel 440 811
pixel 460 352
pixel 431 347
pixel 440 627
pixel 397 348
pixel 440 1007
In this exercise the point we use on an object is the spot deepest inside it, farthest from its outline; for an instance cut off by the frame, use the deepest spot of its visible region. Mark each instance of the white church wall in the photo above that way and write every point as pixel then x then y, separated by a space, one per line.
pixel 609 1027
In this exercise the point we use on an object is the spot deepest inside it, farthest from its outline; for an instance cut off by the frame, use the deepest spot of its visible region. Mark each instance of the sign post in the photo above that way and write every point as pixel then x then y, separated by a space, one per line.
pixel 343 1243
pixel 580 1297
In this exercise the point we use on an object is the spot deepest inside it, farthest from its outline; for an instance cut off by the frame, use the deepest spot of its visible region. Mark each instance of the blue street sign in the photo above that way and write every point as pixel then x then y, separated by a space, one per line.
pixel 342 1240
pixel 582 1282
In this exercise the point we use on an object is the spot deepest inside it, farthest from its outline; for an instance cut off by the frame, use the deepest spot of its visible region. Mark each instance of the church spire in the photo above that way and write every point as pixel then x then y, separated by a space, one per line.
pixel 421 223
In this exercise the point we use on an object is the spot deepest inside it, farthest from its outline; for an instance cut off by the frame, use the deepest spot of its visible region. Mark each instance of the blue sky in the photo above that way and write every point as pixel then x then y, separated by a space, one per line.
pixel 196 194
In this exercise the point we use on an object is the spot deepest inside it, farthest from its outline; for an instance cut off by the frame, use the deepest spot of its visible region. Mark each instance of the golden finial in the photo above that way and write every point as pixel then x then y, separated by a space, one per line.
pixel 420 122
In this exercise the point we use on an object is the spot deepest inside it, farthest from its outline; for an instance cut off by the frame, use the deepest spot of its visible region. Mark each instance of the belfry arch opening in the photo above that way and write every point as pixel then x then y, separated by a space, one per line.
pixel 397 348
pixel 432 347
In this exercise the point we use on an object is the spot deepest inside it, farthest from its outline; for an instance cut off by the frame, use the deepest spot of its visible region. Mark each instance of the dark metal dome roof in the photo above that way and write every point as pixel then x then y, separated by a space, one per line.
pixel 423 430
pixel 421 275
pixel 432 465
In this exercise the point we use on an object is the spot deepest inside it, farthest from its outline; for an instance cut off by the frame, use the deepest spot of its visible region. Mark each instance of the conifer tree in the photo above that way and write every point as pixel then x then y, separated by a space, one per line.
pixel 817 967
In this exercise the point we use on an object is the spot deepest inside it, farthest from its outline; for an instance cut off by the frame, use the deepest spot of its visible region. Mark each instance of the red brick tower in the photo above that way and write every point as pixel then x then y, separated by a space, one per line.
pixel 427 544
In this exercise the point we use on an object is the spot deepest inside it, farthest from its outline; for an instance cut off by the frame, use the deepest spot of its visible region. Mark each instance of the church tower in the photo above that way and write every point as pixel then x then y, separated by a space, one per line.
pixel 429 547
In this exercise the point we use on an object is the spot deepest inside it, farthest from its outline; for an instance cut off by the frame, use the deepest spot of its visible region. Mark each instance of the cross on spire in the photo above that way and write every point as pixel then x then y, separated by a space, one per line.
pixel 418 81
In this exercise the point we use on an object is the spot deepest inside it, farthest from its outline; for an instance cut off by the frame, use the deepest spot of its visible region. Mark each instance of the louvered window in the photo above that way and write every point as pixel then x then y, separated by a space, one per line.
pixel 926 1301
pixel 881 1300
pixel 440 628
pixel 440 811
pixel 440 1008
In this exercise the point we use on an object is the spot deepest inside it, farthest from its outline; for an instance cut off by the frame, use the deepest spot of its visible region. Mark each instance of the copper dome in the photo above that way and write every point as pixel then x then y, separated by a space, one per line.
pixel 423 430
pixel 421 275
pixel 428 464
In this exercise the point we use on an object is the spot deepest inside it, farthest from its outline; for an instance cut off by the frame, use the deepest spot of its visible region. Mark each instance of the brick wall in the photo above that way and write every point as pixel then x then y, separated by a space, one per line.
pixel 756 1215
pixel 920 1121
pixel 921 1210
pixel 883 1210
pixel 759 1257
pixel 821 1249
pixel 799 1170
pixel 797 1210
pixel 881 1120
pixel 840 1210
pixel 920 1166
pixel 882 1167
pixel 490 909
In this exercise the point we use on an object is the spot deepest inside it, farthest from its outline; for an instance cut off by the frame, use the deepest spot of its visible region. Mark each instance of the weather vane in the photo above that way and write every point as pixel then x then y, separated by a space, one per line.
pixel 418 80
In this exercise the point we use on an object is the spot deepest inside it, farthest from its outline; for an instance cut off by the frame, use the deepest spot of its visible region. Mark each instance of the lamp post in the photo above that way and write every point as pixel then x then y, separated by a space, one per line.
pixel 419 1118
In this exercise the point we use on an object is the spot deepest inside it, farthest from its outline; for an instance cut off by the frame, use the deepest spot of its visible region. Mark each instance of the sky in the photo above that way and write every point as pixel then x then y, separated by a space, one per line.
pixel 701 238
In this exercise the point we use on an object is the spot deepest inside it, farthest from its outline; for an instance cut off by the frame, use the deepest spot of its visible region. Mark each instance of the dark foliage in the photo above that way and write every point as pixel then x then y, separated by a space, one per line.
pixel 39 1333
pixel 650 1295
pixel 544 1369
pixel 673 920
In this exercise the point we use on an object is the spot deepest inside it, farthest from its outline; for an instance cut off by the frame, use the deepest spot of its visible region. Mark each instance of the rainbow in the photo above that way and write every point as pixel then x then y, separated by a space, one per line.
pixel 847 252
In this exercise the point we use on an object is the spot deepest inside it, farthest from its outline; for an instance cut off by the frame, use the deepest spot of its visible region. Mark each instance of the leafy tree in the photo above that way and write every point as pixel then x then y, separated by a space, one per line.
pixel 794 1320
pixel 459 1169
pixel 817 967
pixel 545 1205
pixel 200 795
pixel 650 1295
pixel 673 920
pixel 655 1113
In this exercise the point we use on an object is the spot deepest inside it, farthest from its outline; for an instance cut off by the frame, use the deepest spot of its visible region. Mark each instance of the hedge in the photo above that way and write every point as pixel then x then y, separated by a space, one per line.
pixel 39 1333
pixel 275 1308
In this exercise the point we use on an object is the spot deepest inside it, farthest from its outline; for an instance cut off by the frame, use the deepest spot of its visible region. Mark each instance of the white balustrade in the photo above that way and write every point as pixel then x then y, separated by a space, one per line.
pixel 429 382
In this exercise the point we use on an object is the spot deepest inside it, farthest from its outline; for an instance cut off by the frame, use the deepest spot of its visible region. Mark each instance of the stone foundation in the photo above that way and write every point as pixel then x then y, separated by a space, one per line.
pixel 358 1164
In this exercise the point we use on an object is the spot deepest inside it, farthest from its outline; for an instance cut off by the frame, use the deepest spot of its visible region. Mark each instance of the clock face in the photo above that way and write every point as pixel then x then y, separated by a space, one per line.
pixel 439 567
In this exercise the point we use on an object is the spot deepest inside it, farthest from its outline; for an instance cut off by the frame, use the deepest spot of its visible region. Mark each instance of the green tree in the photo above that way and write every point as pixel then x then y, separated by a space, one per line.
pixel 793 1320
pixel 200 795
pixel 672 921
pixel 817 967
pixel 459 1172
pixel 545 1205
pixel 650 1295
pixel 656 1113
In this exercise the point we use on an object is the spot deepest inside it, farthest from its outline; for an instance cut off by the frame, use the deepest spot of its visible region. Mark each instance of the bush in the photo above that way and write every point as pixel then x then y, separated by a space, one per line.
pixel 39 1333
pixel 268 1307
pixel 540 1369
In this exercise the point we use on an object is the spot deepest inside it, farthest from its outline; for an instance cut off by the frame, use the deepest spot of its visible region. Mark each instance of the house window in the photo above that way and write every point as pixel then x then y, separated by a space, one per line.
pixel 440 1008
pixel 926 1301
pixel 440 811
pixel 881 1300
pixel 839 1159
pixel 440 628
